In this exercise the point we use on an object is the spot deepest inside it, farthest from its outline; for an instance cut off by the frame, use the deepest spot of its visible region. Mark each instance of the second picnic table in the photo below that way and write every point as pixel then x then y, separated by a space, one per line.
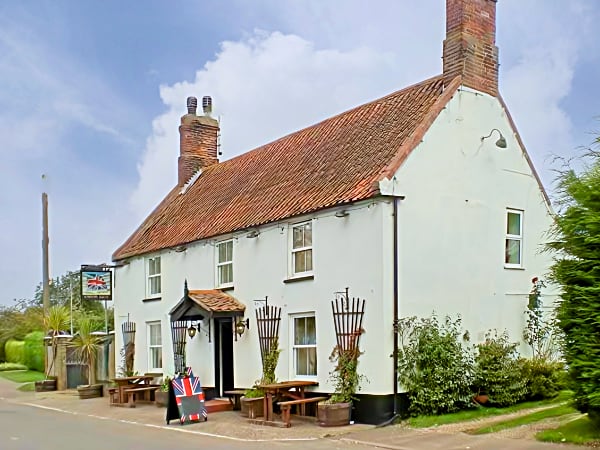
pixel 293 389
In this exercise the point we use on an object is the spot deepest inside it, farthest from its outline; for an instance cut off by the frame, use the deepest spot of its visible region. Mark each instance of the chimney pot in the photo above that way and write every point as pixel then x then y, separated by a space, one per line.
pixel 207 105
pixel 192 104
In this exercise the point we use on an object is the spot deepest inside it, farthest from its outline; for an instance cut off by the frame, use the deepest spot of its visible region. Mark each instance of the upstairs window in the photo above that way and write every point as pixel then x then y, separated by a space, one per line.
pixel 513 245
pixel 153 271
pixel 225 263
pixel 302 261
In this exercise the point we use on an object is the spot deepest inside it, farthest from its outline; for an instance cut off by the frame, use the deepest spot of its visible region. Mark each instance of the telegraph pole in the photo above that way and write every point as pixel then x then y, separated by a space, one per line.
pixel 45 258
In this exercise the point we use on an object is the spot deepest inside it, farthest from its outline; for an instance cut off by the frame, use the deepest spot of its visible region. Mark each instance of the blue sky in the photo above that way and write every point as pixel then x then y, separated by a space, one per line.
pixel 91 95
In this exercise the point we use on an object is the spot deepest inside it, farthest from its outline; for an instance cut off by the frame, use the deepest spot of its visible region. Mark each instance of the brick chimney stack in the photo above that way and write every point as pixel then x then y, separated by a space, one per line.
pixel 197 140
pixel 470 46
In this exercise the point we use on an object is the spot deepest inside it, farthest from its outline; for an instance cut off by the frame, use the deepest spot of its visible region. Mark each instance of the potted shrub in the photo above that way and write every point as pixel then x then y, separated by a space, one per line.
pixel 346 382
pixel 86 346
pixel 161 396
pixel 252 404
pixel 55 321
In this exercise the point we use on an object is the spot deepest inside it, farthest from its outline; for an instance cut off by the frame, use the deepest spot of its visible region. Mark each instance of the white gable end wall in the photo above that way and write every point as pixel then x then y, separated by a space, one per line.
pixel 452 222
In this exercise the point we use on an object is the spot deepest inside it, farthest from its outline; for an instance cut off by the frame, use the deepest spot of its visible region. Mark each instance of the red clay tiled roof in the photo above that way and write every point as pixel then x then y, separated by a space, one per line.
pixel 216 301
pixel 337 161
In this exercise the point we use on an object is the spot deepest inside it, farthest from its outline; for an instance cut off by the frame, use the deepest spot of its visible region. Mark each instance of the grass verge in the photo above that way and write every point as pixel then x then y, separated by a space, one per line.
pixel 483 412
pixel 537 416
pixel 579 431
pixel 22 376
pixel 26 387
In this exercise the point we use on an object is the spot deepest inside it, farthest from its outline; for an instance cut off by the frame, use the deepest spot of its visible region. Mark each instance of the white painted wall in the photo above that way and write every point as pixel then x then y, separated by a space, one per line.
pixel 452 221
pixel 347 252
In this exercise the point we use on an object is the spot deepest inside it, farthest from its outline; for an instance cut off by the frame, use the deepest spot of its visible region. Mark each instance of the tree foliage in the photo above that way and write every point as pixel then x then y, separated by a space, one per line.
pixel 26 315
pixel 577 270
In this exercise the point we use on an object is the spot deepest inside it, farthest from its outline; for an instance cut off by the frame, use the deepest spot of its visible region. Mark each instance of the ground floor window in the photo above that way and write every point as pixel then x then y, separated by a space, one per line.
pixel 154 347
pixel 304 345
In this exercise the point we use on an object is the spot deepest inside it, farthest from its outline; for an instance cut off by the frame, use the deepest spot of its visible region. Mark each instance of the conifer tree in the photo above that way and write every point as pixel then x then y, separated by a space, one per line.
pixel 577 270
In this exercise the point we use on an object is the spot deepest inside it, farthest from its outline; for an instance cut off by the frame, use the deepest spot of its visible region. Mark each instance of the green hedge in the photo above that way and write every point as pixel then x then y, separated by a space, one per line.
pixel 34 351
pixel 15 351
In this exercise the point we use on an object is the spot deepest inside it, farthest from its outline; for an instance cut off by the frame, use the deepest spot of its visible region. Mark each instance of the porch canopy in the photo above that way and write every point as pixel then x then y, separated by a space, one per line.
pixel 200 304
pixel 196 306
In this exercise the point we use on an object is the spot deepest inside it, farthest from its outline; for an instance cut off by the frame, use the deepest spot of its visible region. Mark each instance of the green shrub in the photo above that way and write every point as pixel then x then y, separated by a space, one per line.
pixel 433 365
pixel 497 371
pixel 34 351
pixel 14 351
pixel 543 379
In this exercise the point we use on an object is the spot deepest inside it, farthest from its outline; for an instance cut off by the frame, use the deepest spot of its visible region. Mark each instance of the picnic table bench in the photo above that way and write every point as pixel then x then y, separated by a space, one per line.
pixel 145 391
pixel 286 407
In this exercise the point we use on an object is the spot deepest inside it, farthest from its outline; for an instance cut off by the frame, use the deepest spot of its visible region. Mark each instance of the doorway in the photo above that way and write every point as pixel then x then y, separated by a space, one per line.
pixel 223 355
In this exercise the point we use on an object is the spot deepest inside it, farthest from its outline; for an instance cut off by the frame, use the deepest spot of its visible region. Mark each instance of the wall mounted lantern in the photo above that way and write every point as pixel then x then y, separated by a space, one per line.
pixel 241 326
pixel 501 142
pixel 191 331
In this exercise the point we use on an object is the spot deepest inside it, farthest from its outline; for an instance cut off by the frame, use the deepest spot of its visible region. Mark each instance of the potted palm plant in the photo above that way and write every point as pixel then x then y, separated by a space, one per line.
pixel 86 345
pixel 55 322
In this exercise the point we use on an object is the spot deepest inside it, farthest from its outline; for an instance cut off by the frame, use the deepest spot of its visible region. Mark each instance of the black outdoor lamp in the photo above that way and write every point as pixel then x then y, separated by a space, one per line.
pixel 191 331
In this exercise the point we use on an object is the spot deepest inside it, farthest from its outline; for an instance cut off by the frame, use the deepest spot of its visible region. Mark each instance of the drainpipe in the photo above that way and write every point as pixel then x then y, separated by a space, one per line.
pixel 395 414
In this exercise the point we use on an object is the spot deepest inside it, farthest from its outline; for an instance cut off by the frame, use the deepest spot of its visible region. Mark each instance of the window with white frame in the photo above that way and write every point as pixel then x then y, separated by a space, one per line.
pixel 225 263
pixel 153 271
pixel 154 347
pixel 304 351
pixel 302 261
pixel 513 246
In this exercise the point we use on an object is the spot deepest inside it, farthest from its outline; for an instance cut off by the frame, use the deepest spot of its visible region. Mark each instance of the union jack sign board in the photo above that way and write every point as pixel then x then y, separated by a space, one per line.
pixel 96 283
pixel 189 398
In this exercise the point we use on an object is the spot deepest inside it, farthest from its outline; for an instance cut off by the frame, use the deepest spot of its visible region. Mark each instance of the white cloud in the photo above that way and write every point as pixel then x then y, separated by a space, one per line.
pixel 263 87
pixel 269 84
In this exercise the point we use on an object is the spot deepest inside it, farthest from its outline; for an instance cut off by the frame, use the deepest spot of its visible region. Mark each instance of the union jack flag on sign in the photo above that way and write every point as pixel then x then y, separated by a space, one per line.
pixel 190 399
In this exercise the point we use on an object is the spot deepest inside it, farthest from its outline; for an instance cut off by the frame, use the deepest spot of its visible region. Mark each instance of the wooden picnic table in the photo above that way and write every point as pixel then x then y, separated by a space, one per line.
pixel 124 383
pixel 293 389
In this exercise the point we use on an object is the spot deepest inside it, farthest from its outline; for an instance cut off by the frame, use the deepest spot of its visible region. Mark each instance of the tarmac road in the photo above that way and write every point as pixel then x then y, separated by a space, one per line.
pixel 59 420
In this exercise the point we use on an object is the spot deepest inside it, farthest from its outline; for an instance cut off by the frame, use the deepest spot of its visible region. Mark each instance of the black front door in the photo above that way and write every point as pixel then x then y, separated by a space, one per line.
pixel 223 355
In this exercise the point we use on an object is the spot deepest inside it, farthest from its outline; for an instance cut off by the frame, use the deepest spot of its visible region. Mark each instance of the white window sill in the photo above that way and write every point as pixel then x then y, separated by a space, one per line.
pixel 509 267
pixel 300 277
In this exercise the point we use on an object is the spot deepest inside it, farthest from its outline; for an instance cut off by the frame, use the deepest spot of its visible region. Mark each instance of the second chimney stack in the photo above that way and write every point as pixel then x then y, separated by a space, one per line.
pixel 197 139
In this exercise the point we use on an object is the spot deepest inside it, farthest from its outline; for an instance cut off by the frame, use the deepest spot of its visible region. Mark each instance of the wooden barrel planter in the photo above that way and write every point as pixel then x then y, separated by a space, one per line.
pixel 161 398
pixel 252 407
pixel 89 391
pixel 45 385
pixel 333 414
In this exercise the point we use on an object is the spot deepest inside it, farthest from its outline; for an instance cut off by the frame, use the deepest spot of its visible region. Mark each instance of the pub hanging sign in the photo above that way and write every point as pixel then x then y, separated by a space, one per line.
pixel 96 283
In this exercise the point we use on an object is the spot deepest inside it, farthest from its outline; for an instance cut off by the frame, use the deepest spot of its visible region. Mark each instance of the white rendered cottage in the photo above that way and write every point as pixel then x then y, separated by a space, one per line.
pixel 424 200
